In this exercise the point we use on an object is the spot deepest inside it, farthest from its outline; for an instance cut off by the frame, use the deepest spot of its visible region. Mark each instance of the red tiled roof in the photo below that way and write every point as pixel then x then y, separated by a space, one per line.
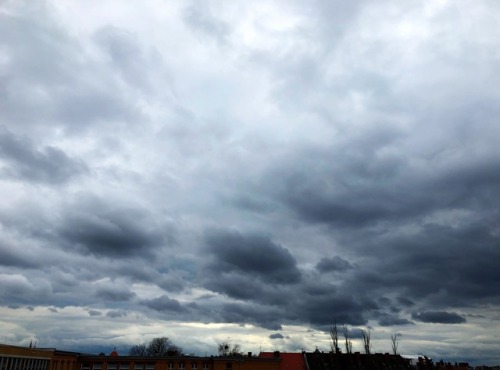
pixel 289 361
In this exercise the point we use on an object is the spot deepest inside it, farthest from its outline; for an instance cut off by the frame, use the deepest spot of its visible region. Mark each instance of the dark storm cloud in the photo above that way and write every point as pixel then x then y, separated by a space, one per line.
pixel 440 264
pixel 259 315
pixel 363 151
pixel 104 229
pixel 164 304
pixel 333 264
pixel 276 336
pixel 114 295
pixel 405 301
pixel 12 256
pixel 330 306
pixel 235 285
pixel 25 161
pixel 18 291
pixel 245 268
pixel 440 317
pixel 388 320
pixel 254 255
pixel 361 188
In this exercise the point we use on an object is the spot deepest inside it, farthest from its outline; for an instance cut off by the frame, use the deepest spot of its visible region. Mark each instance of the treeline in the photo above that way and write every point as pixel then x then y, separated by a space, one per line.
pixel 162 347
pixel 156 347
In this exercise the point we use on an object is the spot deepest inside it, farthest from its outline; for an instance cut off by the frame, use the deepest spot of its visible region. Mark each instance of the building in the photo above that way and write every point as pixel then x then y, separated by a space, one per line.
pixel 21 358
pixel 288 360
pixel 355 361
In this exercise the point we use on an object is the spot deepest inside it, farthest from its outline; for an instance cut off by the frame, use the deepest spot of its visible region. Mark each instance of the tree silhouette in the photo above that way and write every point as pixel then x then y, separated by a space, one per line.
pixel 225 349
pixel 157 347
pixel 334 335
pixel 367 341
pixel 394 343
pixel 348 343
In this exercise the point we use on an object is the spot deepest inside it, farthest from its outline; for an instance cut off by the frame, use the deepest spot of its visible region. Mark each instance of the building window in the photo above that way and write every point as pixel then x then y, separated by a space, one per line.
pixel 150 366
pixel 85 366
pixel 181 366
pixel 229 366
pixel 170 366
pixel 112 366
pixel 138 366
pixel 123 366
pixel 97 366
pixel 205 366
pixel 194 366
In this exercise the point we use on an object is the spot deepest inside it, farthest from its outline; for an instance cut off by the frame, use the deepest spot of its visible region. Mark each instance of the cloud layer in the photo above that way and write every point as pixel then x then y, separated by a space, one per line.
pixel 258 173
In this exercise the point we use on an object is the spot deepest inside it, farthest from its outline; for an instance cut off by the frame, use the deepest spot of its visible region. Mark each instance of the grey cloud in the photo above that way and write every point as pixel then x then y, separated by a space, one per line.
pixel 50 79
pixel 328 308
pixel 333 264
pixel 262 316
pixel 94 313
pixel 86 106
pixel 235 285
pixel 405 301
pixel 27 162
pixel 415 265
pixel 367 163
pixel 171 283
pixel 441 317
pixel 200 17
pixel 115 314
pixel 129 58
pixel 164 304
pixel 18 291
pixel 320 303
pixel 254 255
pixel 361 188
pixel 114 295
pixel 276 336
pixel 388 320
pixel 104 229
pixel 11 256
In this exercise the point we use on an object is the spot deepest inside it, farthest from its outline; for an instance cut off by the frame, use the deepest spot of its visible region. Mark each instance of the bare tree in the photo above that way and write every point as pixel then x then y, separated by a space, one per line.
pixel 367 341
pixel 394 343
pixel 160 347
pixel 334 335
pixel 236 350
pixel 157 347
pixel 225 349
pixel 348 343
pixel 138 350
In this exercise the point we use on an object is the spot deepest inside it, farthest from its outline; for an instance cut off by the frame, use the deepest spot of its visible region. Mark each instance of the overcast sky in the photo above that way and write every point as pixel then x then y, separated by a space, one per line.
pixel 251 171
